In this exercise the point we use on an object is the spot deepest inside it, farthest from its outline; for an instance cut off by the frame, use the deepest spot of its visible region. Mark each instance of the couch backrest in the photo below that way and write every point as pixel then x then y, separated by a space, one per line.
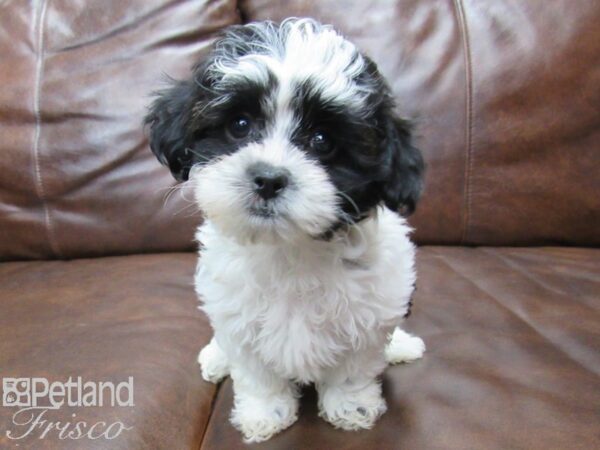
pixel 505 96
pixel 77 176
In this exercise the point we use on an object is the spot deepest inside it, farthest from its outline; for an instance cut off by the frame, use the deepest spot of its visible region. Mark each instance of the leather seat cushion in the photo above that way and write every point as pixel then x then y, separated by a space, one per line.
pixel 511 360
pixel 107 319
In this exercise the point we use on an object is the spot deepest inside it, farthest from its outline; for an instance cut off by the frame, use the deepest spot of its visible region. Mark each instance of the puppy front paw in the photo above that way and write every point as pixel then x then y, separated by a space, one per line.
pixel 213 362
pixel 259 418
pixel 404 348
pixel 351 408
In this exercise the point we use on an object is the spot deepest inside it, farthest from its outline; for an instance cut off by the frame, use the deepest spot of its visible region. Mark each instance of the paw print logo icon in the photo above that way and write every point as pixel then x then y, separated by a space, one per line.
pixel 16 392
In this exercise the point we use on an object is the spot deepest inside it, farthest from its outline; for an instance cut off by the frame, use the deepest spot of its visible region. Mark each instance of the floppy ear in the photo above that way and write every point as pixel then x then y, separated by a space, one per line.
pixel 404 182
pixel 168 118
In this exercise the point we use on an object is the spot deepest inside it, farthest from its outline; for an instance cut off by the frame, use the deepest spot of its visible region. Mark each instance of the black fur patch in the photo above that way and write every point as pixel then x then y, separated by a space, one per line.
pixel 410 302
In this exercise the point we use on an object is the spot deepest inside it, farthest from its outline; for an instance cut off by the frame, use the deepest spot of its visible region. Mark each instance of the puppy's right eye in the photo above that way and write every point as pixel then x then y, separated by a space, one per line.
pixel 239 127
pixel 322 144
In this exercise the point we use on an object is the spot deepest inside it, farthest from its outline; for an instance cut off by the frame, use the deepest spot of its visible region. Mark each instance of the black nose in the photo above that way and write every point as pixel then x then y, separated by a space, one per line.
pixel 268 181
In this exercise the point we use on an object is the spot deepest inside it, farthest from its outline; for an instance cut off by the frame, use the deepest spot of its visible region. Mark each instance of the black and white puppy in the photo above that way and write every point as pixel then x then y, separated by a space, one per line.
pixel 288 135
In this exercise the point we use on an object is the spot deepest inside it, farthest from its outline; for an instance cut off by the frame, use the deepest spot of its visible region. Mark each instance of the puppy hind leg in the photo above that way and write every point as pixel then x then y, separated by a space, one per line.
pixel 213 362
pixel 403 347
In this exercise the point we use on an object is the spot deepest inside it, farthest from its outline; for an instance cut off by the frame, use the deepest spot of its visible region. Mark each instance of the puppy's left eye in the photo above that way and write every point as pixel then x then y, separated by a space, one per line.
pixel 322 144
pixel 239 127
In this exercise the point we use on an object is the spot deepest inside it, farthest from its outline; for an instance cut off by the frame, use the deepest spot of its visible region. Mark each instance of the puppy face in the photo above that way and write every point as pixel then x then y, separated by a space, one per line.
pixel 287 131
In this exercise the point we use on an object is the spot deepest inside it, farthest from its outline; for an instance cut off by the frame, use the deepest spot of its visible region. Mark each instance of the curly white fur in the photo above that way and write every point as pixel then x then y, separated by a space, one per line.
pixel 309 311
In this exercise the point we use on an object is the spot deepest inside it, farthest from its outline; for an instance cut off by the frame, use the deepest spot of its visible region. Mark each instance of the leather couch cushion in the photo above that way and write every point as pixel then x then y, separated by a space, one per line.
pixel 504 95
pixel 108 319
pixel 76 175
pixel 512 360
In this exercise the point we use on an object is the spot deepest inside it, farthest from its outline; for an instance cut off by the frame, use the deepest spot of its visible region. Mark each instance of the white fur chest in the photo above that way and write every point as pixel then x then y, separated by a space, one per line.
pixel 300 309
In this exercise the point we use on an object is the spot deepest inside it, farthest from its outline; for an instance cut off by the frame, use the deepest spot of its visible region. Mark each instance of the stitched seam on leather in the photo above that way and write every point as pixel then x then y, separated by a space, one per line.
pixel 210 414
pixel 462 22
pixel 39 183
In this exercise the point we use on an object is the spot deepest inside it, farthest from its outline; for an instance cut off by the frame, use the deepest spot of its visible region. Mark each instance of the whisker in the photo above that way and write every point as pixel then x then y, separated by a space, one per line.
pixel 361 184
pixel 187 207
pixel 199 155
pixel 170 190
pixel 352 203
pixel 169 193
pixel 348 219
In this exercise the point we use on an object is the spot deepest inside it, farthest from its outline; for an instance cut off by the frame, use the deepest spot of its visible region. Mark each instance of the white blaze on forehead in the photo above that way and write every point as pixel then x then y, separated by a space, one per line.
pixel 297 51
pixel 325 57
pixel 253 67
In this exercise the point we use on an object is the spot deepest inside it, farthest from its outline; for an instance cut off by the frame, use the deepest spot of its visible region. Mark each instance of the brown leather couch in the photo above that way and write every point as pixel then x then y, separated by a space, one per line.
pixel 96 278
